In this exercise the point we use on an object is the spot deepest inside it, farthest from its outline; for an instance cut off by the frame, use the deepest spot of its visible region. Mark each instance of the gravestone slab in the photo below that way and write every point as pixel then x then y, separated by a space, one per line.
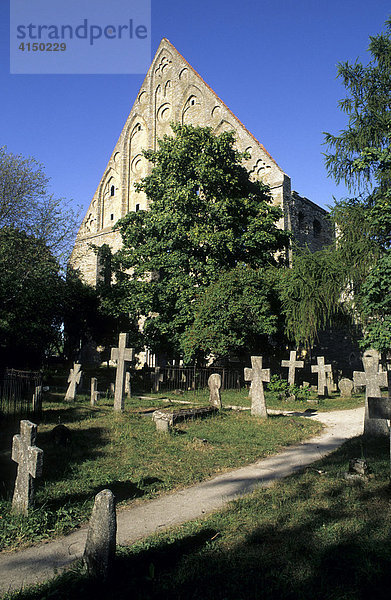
pixel 127 385
pixel 292 364
pixel 30 461
pixel 94 391
pixel 37 399
pixel 346 387
pixel 166 418
pixel 157 379
pixel 73 380
pixel 121 355
pixel 373 380
pixel 214 384
pixel 321 369
pixel 257 375
pixel 99 550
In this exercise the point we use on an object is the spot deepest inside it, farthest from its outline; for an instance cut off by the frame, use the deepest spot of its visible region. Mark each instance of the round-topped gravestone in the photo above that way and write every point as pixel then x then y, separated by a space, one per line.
pixel 346 387
pixel 214 383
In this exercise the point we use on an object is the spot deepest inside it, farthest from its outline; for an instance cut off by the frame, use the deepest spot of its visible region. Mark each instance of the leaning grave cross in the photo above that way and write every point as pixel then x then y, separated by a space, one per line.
pixel 30 461
pixel 372 379
pixel 257 376
pixel 73 380
pixel 292 365
pixel 122 355
pixel 321 369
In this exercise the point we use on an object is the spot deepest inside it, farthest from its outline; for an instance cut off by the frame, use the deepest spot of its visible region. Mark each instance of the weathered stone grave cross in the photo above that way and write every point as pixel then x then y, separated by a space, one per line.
pixel 73 380
pixel 372 379
pixel 122 355
pixel 30 461
pixel 292 365
pixel 321 369
pixel 257 376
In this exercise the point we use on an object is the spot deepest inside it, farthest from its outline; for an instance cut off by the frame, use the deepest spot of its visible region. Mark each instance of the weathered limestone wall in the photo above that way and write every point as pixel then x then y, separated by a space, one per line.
pixel 171 91
pixel 309 223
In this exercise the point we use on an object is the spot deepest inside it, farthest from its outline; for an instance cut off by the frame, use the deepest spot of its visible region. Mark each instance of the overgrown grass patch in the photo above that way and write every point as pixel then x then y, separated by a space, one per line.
pixel 312 535
pixel 124 452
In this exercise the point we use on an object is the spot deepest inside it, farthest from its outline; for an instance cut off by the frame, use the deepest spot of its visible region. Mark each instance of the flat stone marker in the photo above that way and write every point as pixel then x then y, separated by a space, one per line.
pixel 214 384
pixel 122 355
pixel 372 379
pixel 99 550
pixel 94 391
pixel 321 369
pixel 157 379
pixel 257 376
pixel 30 461
pixel 292 365
pixel 73 380
pixel 346 387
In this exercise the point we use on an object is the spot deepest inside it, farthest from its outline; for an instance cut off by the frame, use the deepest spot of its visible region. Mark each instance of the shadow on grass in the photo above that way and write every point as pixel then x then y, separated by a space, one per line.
pixel 312 537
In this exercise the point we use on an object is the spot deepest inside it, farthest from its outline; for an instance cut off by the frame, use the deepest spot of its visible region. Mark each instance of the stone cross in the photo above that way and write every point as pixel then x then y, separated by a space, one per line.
pixel 30 461
pixel 372 379
pixel 321 369
pixel 94 391
pixel 214 384
pixel 257 376
pixel 122 355
pixel 73 380
pixel 99 550
pixel 157 378
pixel 292 365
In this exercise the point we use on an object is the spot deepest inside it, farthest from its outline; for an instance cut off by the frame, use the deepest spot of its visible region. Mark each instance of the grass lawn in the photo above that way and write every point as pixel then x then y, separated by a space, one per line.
pixel 241 398
pixel 311 536
pixel 125 453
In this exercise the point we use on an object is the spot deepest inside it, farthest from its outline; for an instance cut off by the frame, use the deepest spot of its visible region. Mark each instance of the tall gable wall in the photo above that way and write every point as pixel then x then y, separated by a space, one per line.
pixel 172 91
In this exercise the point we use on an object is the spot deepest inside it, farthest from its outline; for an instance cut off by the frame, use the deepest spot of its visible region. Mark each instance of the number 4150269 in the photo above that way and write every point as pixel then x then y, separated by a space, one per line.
pixel 43 47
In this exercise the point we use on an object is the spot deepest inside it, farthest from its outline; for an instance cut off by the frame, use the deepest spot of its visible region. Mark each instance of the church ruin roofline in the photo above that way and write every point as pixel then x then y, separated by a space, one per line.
pixel 217 98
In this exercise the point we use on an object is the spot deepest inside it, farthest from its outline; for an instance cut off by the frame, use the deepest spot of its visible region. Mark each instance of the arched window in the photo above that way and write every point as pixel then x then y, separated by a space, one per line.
pixel 112 190
pixel 137 207
pixel 300 218
pixel 317 227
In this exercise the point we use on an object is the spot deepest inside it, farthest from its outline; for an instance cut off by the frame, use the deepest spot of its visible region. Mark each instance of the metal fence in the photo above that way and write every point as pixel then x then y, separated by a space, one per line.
pixel 17 389
pixel 167 379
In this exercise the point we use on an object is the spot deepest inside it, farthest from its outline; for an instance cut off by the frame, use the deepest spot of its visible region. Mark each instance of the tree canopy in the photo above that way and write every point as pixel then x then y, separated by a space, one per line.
pixel 352 275
pixel 205 217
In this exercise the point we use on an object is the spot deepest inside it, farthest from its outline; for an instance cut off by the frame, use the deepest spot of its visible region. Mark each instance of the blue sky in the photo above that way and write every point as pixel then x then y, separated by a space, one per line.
pixel 273 62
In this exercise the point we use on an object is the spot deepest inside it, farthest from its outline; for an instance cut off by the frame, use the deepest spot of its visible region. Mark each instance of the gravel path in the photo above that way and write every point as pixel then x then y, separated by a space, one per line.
pixel 39 563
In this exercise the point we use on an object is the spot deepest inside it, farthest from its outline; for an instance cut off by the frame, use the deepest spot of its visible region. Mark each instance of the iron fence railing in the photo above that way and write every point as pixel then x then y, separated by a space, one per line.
pixel 17 389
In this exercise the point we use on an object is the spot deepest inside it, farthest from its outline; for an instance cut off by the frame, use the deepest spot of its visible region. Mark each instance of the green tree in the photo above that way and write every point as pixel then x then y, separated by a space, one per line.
pixel 30 299
pixel 27 205
pixel 350 276
pixel 236 315
pixel 205 217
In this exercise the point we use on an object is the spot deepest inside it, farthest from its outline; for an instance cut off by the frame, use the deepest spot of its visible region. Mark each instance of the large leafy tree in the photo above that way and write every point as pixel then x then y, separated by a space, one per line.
pixel 36 234
pixel 236 315
pixel 205 217
pixel 351 276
